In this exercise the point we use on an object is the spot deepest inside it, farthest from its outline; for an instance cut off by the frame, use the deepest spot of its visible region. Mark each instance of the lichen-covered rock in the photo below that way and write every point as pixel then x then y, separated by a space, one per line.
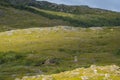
pixel 99 73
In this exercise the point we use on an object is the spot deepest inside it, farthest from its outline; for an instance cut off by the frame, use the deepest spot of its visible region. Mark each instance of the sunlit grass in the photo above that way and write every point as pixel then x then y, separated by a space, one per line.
pixel 39 39
pixel 24 51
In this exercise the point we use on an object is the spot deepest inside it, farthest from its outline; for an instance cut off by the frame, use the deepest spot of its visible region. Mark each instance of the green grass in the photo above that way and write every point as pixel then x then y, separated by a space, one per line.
pixel 12 18
pixel 24 52
pixel 26 49
pixel 28 17
pixel 84 20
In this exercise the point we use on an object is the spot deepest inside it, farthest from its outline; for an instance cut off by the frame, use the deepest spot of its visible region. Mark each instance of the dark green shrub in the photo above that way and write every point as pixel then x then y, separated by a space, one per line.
pixel 10 56
pixel 118 52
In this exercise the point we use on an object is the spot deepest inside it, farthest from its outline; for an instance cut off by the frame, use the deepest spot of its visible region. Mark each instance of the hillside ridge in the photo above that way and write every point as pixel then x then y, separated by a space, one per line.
pixel 53 14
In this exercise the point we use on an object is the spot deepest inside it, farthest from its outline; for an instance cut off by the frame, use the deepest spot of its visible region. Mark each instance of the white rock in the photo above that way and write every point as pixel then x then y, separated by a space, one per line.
pixel 84 78
pixel 96 28
pixel 10 33
pixel 114 68
pixel 17 79
pixel 47 78
pixel 107 75
pixel 95 71
pixel 93 67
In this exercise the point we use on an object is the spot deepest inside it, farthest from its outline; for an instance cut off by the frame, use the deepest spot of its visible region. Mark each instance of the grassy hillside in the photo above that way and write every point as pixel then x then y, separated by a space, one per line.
pixel 44 50
pixel 73 9
pixel 18 17
pixel 12 18
pixel 84 20
pixel 29 47
pixel 92 73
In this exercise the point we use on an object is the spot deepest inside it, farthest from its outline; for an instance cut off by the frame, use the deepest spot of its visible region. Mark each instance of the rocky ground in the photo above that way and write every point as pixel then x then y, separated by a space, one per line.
pixel 94 72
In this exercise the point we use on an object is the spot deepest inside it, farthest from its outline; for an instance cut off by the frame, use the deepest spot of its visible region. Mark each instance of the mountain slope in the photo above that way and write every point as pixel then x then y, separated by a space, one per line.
pixel 12 18
pixel 41 14
pixel 29 47
pixel 84 20
pixel 67 8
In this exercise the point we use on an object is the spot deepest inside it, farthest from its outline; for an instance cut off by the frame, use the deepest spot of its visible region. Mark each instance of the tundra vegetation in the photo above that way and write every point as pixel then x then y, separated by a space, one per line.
pixel 30 47
pixel 42 14
pixel 33 51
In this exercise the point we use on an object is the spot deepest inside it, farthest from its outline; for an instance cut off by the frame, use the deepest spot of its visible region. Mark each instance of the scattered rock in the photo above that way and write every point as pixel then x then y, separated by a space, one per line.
pixel 17 79
pixel 47 78
pixel 10 33
pixel 96 28
pixel 82 74
pixel 47 62
pixel 84 78
pixel 75 59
